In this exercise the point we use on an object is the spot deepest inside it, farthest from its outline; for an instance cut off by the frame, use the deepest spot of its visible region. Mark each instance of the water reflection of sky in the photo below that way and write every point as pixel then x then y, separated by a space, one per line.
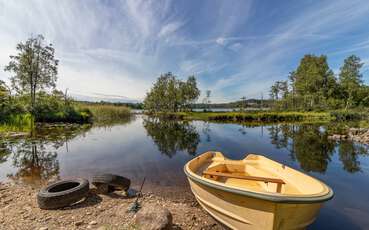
pixel 158 150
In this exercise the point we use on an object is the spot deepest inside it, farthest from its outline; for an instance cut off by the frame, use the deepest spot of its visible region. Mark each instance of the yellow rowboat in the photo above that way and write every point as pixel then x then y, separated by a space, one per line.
pixel 256 192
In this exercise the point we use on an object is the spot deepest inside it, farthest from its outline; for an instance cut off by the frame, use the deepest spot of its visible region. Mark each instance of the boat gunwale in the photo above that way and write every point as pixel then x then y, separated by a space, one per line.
pixel 263 196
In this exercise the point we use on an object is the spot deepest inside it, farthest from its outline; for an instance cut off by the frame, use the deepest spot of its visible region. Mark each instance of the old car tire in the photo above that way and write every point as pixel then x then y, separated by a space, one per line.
pixel 115 181
pixel 62 193
pixel 104 188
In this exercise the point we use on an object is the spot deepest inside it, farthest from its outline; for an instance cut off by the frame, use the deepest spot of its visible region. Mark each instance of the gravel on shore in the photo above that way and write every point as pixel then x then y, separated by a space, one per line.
pixel 19 210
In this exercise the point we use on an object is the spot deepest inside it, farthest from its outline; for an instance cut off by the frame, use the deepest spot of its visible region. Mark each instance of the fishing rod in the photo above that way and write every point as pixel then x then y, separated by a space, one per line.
pixel 136 206
pixel 140 192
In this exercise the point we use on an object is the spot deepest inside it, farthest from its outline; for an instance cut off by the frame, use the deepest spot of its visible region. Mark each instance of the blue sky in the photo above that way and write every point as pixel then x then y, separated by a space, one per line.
pixel 116 49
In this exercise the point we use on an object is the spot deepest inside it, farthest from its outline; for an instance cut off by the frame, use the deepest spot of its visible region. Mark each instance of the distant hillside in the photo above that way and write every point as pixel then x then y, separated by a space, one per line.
pixel 251 103
pixel 96 97
pixel 128 104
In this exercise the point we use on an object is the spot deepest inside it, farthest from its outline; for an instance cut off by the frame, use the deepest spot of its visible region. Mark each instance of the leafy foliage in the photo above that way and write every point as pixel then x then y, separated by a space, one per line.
pixel 9 107
pixel 34 70
pixel 56 108
pixel 171 95
pixel 351 80
pixel 4 92
pixel 4 100
pixel 313 86
pixel 34 67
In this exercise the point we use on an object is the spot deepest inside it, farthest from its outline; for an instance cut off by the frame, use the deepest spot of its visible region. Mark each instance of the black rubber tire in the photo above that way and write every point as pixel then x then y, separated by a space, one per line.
pixel 118 182
pixel 104 188
pixel 62 193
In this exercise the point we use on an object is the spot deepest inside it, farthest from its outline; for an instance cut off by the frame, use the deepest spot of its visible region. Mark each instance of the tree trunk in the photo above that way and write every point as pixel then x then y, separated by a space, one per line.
pixel 33 98
pixel 35 80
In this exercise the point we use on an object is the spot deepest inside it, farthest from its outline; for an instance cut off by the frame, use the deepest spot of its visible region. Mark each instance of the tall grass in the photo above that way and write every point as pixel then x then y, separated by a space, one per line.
pixel 17 123
pixel 107 113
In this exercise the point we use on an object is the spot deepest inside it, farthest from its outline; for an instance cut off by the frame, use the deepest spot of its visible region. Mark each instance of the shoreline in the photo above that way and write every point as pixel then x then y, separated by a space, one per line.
pixel 266 116
pixel 19 210
pixel 253 117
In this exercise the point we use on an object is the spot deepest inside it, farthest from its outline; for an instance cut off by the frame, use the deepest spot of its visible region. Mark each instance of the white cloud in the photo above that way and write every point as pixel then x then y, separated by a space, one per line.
pixel 235 47
pixel 198 66
pixel 170 28
pixel 220 41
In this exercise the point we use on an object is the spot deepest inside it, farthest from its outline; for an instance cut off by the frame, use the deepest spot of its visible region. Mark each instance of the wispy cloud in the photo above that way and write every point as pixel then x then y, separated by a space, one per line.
pixel 169 28
pixel 270 57
pixel 118 48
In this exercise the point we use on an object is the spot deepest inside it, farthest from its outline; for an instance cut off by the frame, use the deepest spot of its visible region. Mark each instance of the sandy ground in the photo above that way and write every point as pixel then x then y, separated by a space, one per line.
pixel 19 210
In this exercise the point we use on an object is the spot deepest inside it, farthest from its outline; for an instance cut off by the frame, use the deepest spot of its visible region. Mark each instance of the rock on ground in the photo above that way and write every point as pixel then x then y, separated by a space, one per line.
pixel 151 217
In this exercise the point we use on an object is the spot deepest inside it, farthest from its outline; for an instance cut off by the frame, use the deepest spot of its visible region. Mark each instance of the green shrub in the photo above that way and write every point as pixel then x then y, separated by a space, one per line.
pixel 53 108
pixel 342 115
pixel 17 123
pixel 68 115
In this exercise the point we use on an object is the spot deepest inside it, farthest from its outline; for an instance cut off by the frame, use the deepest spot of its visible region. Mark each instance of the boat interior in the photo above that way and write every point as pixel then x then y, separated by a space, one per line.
pixel 254 173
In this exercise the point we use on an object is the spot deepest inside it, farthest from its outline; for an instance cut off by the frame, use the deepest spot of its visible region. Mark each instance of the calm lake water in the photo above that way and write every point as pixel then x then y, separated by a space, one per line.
pixel 158 150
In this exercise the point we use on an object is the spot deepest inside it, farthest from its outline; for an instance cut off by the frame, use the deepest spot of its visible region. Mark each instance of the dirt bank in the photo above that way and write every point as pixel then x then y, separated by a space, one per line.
pixel 19 210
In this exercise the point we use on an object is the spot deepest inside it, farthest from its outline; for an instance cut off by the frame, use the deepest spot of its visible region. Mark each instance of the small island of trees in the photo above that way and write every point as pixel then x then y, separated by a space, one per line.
pixel 313 86
pixel 169 94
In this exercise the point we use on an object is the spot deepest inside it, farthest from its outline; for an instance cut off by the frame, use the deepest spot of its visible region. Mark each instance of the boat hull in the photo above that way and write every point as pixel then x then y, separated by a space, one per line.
pixel 243 212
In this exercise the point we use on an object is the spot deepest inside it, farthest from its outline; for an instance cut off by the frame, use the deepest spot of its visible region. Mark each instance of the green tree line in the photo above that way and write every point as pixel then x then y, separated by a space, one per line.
pixel 313 86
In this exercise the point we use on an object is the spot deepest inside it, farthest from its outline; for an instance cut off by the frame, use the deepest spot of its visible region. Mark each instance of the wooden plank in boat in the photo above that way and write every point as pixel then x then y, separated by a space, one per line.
pixel 256 178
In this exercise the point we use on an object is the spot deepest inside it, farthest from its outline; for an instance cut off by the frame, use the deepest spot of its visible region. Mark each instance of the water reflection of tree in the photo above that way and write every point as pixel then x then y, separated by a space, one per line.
pixel 310 146
pixel 36 157
pixel 242 129
pixel 35 162
pixel 206 131
pixel 279 135
pixel 5 151
pixel 171 136
pixel 348 154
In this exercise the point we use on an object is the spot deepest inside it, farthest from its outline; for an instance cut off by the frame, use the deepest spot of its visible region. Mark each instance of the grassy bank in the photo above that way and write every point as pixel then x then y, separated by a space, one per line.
pixel 77 113
pixel 268 116
pixel 102 113
pixel 16 123
pixel 272 117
